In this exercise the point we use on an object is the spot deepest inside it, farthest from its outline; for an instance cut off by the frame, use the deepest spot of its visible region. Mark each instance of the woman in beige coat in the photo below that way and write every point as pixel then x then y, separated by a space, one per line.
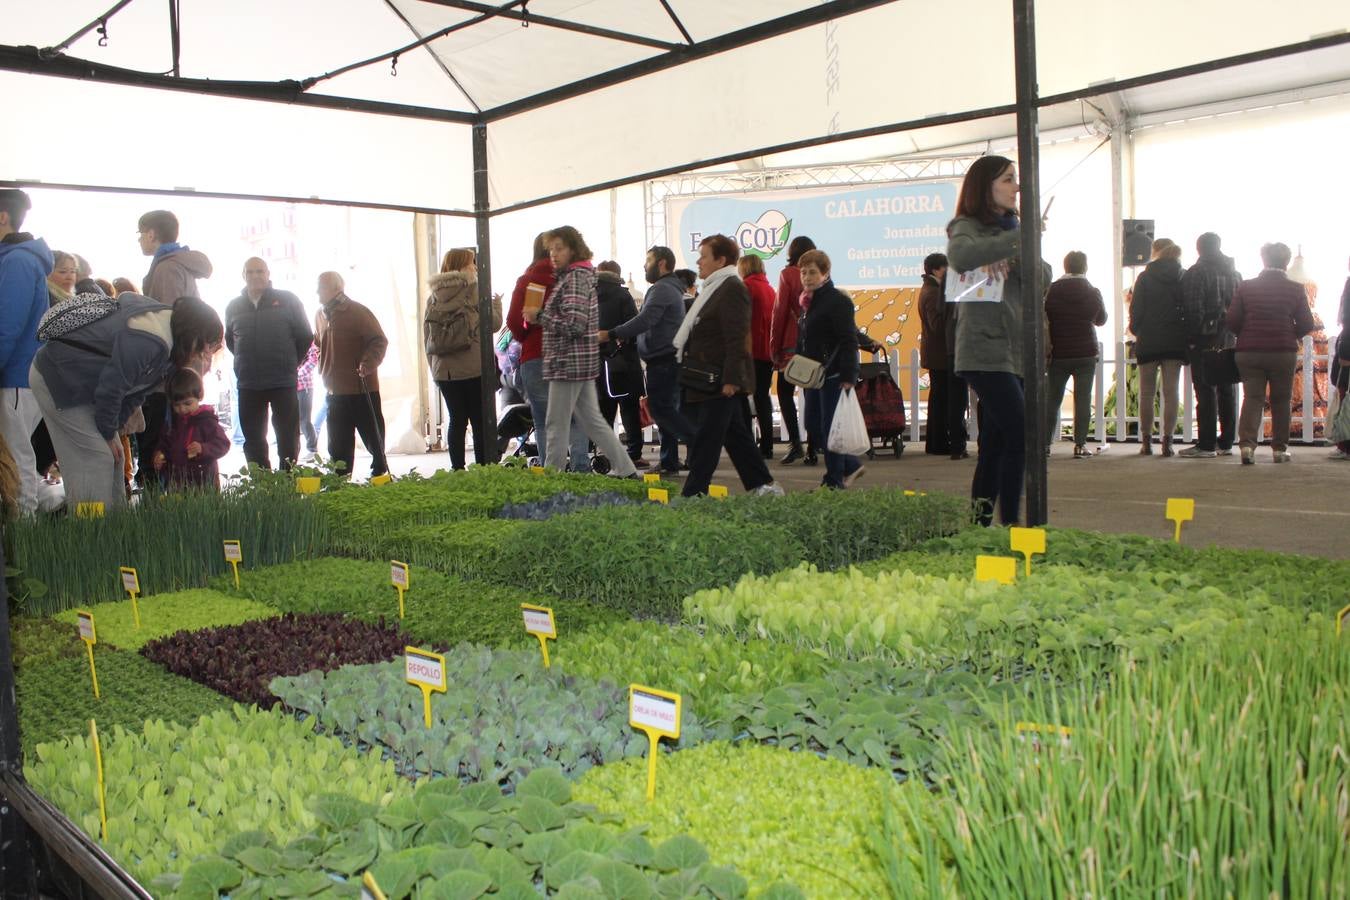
pixel 452 334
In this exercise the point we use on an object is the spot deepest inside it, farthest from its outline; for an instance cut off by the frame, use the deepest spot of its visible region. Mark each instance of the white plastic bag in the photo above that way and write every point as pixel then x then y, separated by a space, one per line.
pixel 848 431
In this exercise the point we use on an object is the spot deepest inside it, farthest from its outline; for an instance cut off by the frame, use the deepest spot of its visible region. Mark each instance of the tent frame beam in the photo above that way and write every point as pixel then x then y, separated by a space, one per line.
pixel 508 11
pixel 680 55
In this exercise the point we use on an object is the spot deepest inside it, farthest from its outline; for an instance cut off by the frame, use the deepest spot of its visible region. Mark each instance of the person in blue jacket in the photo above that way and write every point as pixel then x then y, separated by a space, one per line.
pixel 25 263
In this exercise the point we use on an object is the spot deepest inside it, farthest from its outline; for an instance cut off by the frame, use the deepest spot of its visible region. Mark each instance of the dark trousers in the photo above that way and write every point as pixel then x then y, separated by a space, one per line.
pixel 763 408
pixel 958 404
pixel 663 402
pixel 936 439
pixel 629 408
pixel 285 403
pixel 1215 410
pixel 787 407
pixel 306 399
pixel 464 400
pixel 999 471
pixel 155 407
pixel 721 424
pixel 349 414
pixel 820 406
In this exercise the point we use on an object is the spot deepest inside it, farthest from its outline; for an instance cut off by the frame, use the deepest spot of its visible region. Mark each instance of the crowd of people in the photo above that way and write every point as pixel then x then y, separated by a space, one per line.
pixel 1227 329
pixel 104 377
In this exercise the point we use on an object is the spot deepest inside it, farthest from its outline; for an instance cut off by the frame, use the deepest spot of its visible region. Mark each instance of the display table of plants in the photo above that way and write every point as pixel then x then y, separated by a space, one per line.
pixel 861 717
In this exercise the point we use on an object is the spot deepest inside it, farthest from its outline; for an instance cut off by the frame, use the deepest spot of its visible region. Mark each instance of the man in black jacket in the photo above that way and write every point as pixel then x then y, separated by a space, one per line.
pixel 1206 291
pixel 268 332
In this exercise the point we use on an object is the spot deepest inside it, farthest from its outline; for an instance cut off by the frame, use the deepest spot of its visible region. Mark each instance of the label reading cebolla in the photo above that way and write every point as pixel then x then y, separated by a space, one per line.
pixel 424 668
pixel 654 711
pixel 130 582
pixel 233 552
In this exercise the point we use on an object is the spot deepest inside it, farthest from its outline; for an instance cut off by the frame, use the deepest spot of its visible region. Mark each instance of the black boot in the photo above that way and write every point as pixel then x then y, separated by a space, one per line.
pixel 792 456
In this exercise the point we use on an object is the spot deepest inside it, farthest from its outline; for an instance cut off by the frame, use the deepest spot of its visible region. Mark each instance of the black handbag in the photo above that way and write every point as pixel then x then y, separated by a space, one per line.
pixel 1219 367
pixel 703 378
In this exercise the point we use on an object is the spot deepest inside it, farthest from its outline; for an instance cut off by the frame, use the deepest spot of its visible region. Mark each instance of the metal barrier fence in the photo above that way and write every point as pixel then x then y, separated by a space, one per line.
pixel 908 375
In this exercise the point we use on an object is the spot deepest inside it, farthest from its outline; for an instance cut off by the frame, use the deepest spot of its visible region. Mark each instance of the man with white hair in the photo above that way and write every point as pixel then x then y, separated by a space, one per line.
pixel 268 332
pixel 351 348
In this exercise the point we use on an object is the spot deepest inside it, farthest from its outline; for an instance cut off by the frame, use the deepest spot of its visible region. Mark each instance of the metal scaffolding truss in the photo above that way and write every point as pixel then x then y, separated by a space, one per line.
pixel 873 171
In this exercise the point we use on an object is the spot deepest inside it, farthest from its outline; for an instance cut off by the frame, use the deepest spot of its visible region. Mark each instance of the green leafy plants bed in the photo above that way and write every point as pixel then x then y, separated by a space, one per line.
pixel 56 699
pixel 448 841
pixel 37 640
pixel 503 716
pixel 1045 623
pixel 774 815
pixel 166 614
pixel 240 661
pixel 440 610
pixel 176 791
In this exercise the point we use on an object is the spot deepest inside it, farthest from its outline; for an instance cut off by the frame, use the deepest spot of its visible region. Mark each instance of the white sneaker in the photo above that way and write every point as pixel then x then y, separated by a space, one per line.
pixel 1281 456
pixel 1338 453
pixel 1197 453
pixel 772 489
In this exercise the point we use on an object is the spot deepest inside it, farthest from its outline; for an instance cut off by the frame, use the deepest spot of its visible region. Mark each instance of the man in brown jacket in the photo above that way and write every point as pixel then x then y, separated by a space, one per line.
pixel 351 348
pixel 934 357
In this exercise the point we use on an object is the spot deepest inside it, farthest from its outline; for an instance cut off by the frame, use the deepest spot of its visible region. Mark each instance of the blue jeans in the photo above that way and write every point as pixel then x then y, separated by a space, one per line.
pixel 1003 447
pixel 663 402
pixel 535 388
pixel 821 403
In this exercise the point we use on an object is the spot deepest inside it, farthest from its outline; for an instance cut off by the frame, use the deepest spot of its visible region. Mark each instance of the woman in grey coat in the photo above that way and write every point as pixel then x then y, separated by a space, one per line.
pixel 984 235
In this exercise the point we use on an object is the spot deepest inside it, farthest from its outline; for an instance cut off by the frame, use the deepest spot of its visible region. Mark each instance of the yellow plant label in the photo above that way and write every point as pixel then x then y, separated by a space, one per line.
pixel 307 484
pixel 398 574
pixel 1002 569
pixel 381 480
pixel 98 767
pixel 1027 541
pixel 1035 731
pixel 658 714
pixel 425 670
pixel 538 470
pixel 233 552
pixel 652 478
pixel 88 633
pixel 717 490
pixel 370 890
pixel 90 509
pixel 911 494
pixel 1342 618
pixel 539 622
pixel 660 495
pixel 1180 509
pixel 131 582
pixel 423 667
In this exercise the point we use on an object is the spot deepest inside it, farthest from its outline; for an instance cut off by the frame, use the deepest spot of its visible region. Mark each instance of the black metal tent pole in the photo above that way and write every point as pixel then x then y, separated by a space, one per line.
pixel 481 212
pixel 1033 311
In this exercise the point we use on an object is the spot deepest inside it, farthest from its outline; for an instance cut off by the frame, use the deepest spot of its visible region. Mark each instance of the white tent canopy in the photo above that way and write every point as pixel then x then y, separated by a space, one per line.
pixel 580 94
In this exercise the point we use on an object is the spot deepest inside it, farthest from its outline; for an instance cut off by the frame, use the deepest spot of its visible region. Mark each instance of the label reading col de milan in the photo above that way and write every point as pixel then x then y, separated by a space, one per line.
pixel 424 670
pixel 652 711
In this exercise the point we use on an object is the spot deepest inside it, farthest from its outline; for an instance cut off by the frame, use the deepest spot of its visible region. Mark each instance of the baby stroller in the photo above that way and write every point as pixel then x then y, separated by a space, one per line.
pixel 883 404
pixel 517 424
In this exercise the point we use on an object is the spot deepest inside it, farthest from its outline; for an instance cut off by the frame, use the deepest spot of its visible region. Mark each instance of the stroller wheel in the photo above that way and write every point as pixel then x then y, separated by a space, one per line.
pixel 600 464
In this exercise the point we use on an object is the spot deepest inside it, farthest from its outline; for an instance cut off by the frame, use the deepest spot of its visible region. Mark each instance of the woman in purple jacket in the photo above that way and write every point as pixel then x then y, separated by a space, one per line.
pixel 1270 316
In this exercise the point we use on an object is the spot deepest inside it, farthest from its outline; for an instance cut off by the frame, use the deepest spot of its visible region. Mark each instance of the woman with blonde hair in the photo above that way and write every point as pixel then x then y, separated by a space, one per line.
pixel 65 273
pixel 452 334
pixel 1160 341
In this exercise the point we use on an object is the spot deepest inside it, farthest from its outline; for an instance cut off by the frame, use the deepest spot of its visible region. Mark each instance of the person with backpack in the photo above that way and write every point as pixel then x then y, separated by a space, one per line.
pixel 103 356
pixel 452 336
pixel 25 263
pixel 1206 293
